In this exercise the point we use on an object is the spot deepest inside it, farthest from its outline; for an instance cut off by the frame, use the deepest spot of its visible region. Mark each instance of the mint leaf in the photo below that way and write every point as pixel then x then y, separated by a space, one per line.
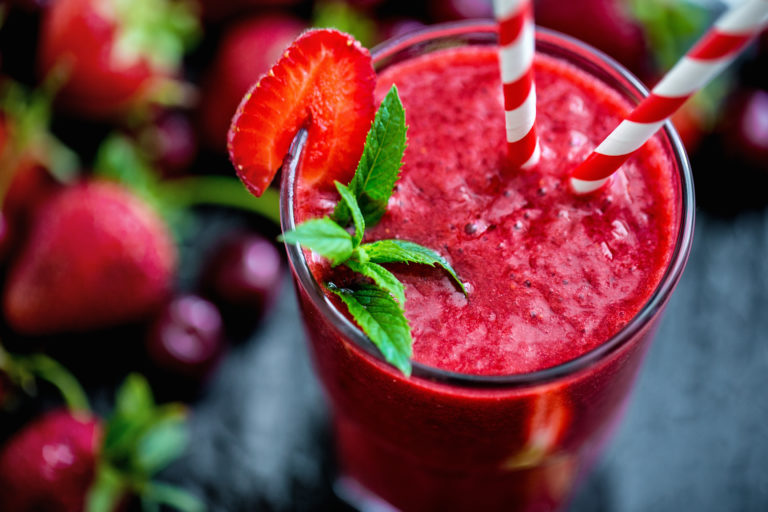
pixel 401 251
pixel 385 279
pixel 323 236
pixel 357 216
pixel 382 319
pixel 379 167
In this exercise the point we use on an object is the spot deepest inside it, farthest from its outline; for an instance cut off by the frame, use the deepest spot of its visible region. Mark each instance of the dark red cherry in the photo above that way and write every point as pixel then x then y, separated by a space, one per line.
pixel 745 127
pixel 460 9
pixel 243 277
pixel 187 338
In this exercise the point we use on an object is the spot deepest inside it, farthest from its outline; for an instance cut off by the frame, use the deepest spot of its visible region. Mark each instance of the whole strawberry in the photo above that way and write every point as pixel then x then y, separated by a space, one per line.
pixel 259 41
pixel 67 461
pixel 51 463
pixel 115 54
pixel 96 256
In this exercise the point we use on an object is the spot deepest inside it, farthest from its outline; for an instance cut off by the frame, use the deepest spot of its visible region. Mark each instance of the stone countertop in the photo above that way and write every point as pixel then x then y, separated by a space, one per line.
pixel 695 436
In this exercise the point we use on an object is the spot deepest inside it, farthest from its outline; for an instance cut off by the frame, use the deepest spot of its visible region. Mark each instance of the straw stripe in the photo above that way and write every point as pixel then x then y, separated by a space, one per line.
pixel 507 8
pixel 517 56
pixel 653 108
pixel 515 93
pixel 516 51
pixel 709 56
pixel 717 44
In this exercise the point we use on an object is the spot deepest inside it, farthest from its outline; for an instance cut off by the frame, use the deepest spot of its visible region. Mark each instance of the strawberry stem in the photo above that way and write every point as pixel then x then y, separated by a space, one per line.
pixel 22 370
pixel 221 191
pixel 51 371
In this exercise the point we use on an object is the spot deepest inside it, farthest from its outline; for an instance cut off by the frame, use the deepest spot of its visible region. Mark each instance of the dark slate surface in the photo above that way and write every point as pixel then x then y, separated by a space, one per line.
pixel 695 436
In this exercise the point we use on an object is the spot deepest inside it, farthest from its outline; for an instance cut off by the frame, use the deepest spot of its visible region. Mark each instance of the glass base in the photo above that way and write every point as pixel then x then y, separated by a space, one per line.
pixel 350 491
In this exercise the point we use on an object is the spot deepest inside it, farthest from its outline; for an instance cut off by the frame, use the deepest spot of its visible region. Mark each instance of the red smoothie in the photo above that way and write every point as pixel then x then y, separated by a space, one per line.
pixel 551 277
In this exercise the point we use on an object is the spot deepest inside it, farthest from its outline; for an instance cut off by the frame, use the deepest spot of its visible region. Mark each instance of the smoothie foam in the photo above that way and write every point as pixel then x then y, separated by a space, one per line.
pixel 551 275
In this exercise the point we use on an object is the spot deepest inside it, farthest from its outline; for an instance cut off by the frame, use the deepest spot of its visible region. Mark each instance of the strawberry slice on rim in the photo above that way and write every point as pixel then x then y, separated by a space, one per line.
pixel 324 82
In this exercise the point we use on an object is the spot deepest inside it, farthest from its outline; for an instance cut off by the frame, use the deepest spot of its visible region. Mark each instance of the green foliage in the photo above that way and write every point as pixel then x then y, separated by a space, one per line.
pixel 383 320
pixel 379 167
pixel 323 236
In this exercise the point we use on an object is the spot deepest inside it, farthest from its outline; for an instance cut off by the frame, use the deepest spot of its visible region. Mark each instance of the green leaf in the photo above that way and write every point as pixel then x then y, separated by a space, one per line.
pixel 382 319
pixel 379 167
pixel 342 16
pixel 324 237
pixel 108 489
pixel 401 251
pixel 158 30
pixel 162 442
pixel 134 407
pixel 219 191
pixel 119 160
pixel 385 279
pixel 357 216
pixel 134 396
pixel 171 496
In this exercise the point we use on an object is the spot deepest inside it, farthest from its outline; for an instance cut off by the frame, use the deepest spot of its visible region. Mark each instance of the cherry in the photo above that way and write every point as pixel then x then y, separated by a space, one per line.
pixel 605 24
pixel 243 277
pixel 745 129
pixel 171 142
pixel 186 339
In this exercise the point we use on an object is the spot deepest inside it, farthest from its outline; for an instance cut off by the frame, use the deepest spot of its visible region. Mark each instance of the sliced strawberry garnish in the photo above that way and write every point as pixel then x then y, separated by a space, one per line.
pixel 324 82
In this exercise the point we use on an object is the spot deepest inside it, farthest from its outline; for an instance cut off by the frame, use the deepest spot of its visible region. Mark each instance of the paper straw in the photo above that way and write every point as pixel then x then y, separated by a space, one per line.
pixel 708 57
pixel 516 48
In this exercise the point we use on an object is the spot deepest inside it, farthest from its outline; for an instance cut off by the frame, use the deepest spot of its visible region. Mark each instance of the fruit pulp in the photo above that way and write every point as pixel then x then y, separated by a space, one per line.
pixel 551 277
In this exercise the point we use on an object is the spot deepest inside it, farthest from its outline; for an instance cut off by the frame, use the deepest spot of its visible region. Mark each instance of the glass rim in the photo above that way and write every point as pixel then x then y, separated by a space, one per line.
pixel 657 300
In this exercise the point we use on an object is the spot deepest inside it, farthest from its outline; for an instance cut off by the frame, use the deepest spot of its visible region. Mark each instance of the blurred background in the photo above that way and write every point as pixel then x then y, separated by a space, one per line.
pixel 134 265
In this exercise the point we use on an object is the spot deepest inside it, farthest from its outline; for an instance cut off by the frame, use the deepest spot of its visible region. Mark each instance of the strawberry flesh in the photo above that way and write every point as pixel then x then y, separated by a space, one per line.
pixel 324 82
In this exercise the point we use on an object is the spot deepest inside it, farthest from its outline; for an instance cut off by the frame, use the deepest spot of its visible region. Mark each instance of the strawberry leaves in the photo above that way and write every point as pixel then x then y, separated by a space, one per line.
pixel 378 308
pixel 141 438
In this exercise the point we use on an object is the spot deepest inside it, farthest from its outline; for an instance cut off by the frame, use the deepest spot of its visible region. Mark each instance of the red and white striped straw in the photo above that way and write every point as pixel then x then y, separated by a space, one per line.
pixel 708 57
pixel 516 42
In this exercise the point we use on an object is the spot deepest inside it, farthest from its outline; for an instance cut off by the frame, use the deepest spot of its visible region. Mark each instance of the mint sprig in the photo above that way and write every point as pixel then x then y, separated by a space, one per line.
pixel 378 307
pixel 379 167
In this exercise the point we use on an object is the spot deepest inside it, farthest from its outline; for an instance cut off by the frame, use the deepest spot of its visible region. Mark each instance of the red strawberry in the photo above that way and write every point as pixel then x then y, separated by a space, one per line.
pixel 259 41
pixel 96 256
pixel 323 82
pixel 50 464
pixel 66 461
pixel 114 54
